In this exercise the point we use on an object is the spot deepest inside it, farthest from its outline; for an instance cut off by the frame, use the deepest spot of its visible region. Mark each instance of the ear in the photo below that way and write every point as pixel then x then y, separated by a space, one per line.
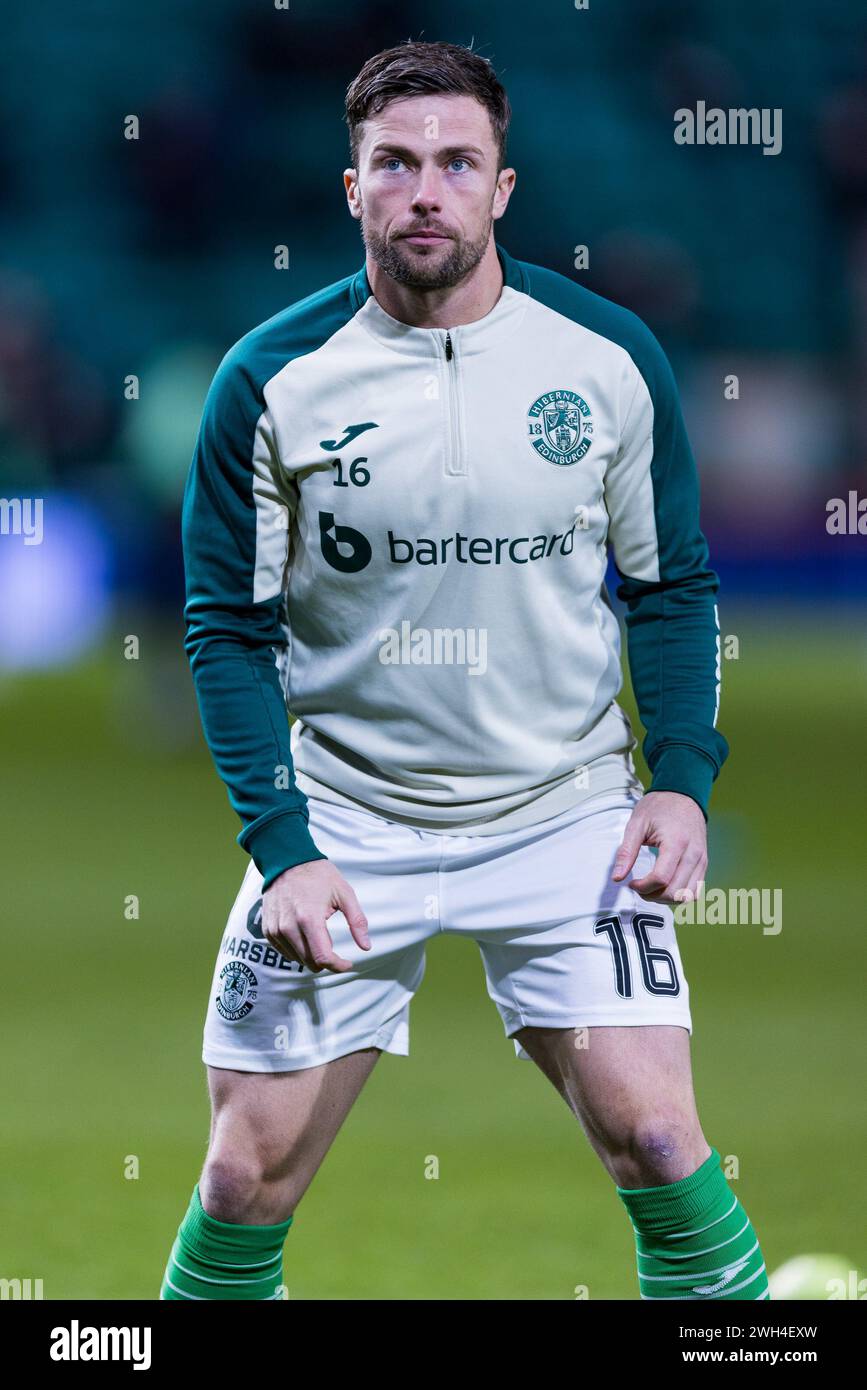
pixel 353 192
pixel 503 192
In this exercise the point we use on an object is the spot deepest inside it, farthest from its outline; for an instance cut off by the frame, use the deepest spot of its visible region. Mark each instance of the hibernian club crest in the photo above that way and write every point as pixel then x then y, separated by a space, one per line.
pixel 238 990
pixel 560 426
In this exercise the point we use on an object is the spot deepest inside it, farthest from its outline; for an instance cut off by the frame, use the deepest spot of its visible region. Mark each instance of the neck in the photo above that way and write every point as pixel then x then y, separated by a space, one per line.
pixel 472 299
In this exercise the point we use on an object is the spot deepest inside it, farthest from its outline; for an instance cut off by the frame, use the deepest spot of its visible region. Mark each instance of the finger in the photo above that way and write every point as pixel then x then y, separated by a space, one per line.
pixel 287 942
pixel 320 949
pixel 657 881
pixel 281 938
pixel 684 882
pixel 351 909
pixel 284 931
pixel 633 839
pixel 286 951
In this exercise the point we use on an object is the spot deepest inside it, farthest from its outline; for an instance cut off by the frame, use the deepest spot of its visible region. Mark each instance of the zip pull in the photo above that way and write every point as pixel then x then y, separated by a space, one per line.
pixel 449 352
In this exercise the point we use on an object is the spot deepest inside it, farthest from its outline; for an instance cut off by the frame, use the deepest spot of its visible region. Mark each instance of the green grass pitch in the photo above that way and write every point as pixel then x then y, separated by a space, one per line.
pixel 102 1016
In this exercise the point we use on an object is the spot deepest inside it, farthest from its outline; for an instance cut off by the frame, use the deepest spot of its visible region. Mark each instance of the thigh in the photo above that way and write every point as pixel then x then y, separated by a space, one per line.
pixel 612 1077
pixel 268 1014
pixel 271 1131
pixel 632 1091
pixel 563 946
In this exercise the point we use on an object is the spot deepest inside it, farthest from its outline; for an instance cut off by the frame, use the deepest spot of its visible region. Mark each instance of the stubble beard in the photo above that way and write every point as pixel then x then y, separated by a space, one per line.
pixel 420 273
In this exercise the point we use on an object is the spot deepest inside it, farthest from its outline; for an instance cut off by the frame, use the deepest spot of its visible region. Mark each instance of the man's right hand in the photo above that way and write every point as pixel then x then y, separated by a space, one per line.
pixel 296 909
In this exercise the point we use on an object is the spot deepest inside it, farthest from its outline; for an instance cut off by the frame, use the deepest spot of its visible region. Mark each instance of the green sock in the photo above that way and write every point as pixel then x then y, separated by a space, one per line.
pixel 694 1239
pixel 217 1259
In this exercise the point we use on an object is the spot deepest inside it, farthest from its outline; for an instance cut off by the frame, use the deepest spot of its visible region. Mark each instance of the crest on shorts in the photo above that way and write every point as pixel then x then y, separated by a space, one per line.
pixel 560 427
pixel 238 991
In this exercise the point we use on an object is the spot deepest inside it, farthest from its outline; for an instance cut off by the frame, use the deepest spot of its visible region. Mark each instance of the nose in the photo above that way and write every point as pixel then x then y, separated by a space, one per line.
pixel 427 196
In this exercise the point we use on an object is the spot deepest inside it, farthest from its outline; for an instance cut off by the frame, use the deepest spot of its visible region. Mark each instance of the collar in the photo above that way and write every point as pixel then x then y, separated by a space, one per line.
pixel 467 338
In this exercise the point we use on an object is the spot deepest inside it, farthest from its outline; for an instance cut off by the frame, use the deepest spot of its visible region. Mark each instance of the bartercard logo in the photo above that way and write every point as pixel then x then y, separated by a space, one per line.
pixel 343 547
pixel 349 550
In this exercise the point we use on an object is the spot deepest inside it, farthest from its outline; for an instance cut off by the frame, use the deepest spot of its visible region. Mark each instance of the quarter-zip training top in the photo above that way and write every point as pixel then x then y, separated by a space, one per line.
pixel 400 535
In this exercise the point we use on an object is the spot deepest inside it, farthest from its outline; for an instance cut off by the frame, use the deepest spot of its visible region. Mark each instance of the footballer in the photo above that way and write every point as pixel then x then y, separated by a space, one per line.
pixel 396 526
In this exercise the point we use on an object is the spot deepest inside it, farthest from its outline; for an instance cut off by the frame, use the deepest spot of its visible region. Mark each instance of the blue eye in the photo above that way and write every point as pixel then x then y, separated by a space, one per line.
pixel 392 159
pixel 459 159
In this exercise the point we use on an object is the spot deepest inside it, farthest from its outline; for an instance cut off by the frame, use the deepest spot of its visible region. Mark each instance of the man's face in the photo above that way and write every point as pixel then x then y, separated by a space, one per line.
pixel 427 190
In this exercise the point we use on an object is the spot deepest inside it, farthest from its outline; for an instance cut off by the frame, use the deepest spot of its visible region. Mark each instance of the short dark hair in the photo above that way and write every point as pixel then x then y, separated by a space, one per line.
pixel 413 68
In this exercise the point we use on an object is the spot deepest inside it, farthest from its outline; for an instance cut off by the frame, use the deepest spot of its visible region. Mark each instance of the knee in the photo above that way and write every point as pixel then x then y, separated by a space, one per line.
pixel 653 1150
pixel 240 1188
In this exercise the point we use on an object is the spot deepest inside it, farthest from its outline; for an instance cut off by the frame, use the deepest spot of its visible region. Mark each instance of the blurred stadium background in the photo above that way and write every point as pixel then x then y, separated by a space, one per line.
pixel 149 258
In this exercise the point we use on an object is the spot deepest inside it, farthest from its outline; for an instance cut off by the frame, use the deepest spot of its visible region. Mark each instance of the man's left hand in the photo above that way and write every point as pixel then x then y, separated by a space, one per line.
pixel 673 824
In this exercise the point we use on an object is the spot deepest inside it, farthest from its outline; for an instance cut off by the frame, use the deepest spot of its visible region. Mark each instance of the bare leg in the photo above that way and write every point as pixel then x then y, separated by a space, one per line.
pixel 270 1132
pixel 631 1090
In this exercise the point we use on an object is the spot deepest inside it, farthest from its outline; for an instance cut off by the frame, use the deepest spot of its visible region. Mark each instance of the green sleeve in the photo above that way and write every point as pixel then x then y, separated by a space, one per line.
pixel 667 584
pixel 651 494
pixel 234 633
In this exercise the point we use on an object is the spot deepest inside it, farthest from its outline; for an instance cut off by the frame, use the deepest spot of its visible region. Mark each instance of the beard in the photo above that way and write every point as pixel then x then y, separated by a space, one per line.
pixel 440 271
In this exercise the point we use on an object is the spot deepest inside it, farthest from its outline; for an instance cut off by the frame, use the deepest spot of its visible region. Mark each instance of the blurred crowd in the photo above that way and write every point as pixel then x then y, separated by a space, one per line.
pixel 130 265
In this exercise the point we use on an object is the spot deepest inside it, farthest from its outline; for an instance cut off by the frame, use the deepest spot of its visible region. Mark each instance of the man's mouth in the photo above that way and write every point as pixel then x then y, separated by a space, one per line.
pixel 424 238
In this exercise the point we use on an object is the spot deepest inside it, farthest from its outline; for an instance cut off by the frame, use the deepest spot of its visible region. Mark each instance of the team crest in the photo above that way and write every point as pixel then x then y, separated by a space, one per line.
pixel 238 991
pixel 561 429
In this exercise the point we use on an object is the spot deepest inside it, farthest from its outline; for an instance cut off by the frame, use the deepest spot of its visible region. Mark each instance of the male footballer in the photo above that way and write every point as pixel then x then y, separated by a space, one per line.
pixel 396 526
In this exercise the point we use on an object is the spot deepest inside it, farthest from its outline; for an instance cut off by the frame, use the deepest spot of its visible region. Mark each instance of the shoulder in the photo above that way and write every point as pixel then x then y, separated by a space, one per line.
pixel 301 328
pixel 611 321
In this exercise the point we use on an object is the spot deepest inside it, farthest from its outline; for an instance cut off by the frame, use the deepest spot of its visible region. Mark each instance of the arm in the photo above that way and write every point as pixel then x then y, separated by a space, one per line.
pixel 670 592
pixel 672 628
pixel 236 521
pixel 235 530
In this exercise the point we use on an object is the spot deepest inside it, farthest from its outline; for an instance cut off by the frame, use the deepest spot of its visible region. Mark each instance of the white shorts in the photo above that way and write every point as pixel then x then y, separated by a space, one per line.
pixel 562 946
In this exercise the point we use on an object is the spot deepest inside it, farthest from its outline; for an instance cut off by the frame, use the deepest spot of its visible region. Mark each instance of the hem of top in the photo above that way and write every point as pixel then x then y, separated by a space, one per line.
pixel 630 792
